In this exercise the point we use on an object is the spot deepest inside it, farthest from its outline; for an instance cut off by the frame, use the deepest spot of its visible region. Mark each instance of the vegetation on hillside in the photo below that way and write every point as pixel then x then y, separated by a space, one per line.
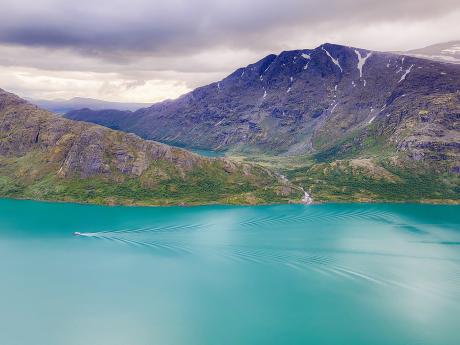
pixel 43 156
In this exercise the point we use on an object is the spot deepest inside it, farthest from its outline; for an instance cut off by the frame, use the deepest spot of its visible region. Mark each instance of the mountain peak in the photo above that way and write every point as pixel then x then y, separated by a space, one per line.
pixel 303 101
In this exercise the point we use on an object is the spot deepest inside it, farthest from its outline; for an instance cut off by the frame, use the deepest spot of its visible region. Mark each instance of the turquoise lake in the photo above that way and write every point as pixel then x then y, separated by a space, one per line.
pixel 354 274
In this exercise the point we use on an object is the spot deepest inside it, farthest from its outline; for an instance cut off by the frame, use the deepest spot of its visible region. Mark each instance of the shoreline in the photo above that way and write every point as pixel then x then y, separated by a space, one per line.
pixel 300 202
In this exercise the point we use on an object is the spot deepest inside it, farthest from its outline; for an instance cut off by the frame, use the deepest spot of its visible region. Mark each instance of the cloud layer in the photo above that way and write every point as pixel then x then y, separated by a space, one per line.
pixel 164 48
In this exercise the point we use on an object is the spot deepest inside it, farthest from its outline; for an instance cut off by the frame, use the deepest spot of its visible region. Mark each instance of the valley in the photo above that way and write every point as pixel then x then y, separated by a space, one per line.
pixel 345 123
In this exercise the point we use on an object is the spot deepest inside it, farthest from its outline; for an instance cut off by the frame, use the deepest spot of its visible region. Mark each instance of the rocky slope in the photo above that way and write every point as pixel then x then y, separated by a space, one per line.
pixel 309 102
pixel 346 124
pixel 44 156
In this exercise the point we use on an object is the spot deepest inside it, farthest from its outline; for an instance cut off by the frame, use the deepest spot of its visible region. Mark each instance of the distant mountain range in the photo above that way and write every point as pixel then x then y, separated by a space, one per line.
pixel 353 114
pixel 62 106
pixel 444 52
pixel 44 156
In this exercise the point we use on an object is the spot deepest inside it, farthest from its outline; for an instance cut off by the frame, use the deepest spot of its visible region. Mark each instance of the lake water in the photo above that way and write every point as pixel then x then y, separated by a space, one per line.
pixel 290 274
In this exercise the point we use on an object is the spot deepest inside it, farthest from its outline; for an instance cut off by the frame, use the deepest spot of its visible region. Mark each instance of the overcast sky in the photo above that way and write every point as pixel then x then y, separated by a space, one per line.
pixel 150 50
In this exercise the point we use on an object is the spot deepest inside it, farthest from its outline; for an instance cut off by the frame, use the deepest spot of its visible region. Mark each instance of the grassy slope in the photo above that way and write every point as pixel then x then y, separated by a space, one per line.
pixel 161 184
pixel 50 158
pixel 377 181
pixel 373 173
pixel 358 168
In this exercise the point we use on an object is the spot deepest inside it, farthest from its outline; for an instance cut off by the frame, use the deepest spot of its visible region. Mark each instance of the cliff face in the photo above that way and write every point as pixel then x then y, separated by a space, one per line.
pixel 309 102
pixel 48 157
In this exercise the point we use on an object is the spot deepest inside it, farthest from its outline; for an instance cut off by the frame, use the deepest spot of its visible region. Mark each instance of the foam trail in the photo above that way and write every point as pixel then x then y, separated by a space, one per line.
pixel 87 234
pixel 155 245
pixel 168 228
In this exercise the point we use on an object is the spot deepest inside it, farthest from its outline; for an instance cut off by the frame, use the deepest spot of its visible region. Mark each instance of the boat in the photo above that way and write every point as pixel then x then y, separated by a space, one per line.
pixel 76 233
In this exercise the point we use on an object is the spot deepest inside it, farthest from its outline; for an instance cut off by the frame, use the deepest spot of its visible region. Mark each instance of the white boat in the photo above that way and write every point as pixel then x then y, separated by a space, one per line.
pixel 76 233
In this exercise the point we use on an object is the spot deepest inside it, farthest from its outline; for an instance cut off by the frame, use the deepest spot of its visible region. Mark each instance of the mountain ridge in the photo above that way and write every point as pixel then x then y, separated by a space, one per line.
pixel 44 156
pixel 346 124
pixel 300 101
pixel 63 106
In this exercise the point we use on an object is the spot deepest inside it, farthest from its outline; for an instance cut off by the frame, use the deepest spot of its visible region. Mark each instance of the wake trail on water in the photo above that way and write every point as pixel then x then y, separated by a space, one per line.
pixel 328 266
pixel 143 230
pixel 311 216
pixel 168 228
pixel 179 239
pixel 320 264
pixel 173 248
pixel 297 260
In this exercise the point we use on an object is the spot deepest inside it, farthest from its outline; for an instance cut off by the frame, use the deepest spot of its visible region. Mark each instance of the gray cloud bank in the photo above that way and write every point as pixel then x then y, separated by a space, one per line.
pixel 108 27
pixel 194 40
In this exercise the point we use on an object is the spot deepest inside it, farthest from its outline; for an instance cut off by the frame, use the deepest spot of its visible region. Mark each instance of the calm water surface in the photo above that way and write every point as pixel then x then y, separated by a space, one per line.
pixel 323 274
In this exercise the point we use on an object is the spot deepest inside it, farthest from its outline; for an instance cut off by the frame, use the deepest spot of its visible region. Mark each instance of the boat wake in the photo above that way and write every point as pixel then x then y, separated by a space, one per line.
pixel 86 234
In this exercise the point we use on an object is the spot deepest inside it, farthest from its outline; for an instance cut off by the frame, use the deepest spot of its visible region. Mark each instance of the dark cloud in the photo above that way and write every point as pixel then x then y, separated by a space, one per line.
pixel 116 49
pixel 109 27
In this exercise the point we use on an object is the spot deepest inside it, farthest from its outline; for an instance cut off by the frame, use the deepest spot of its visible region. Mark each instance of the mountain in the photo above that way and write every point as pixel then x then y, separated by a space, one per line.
pixel 364 125
pixel 307 101
pixel 44 156
pixel 444 52
pixel 63 106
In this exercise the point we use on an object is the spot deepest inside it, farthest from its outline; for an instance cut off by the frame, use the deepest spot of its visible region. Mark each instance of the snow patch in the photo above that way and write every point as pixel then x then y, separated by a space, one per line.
pixel 405 73
pixel 288 90
pixel 447 58
pixel 361 61
pixel 265 94
pixel 335 61
pixel 265 70
pixel 452 50
pixel 371 120
pixel 306 56
pixel 333 108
